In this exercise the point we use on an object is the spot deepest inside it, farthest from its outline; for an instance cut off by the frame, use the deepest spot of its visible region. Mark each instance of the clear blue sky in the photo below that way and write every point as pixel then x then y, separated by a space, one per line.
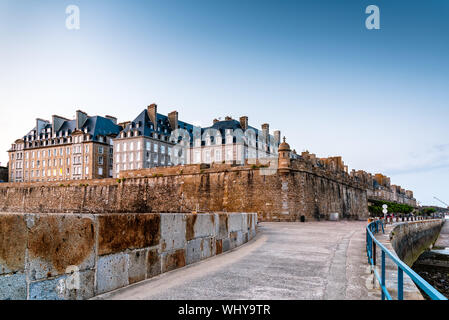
pixel 379 98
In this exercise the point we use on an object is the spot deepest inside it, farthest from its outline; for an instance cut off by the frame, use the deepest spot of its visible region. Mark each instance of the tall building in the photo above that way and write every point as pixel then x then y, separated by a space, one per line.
pixel 153 139
pixel 145 141
pixel 65 149
pixel 233 141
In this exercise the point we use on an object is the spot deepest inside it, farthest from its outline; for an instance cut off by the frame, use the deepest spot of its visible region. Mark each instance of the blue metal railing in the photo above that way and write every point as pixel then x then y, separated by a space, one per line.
pixel 371 244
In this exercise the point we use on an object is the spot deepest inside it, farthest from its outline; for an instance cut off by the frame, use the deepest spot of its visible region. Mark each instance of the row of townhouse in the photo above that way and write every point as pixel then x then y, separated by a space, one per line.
pixel 92 147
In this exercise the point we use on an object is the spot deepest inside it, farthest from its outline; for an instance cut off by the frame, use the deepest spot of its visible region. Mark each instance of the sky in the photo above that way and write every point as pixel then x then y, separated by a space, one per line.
pixel 378 98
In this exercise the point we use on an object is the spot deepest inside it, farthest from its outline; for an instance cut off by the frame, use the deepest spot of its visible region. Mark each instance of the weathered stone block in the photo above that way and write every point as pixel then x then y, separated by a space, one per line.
pixel 13 287
pixel 13 242
pixel 226 245
pixel 199 225
pixel 118 232
pixel 208 248
pixel 137 265
pixel 236 239
pixel 154 263
pixel 173 260
pixel 219 246
pixel 112 272
pixel 193 251
pixel 50 289
pixel 56 242
pixel 173 231
pixel 221 226
pixel 235 222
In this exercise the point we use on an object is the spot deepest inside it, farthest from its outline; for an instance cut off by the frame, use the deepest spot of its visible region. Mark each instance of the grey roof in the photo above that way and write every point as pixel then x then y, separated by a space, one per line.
pixel 96 126
pixel 146 127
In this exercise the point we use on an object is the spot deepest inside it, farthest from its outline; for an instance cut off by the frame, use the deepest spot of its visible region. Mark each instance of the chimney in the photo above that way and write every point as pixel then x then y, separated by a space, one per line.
pixel 152 114
pixel 227 118
pixel 81 118
pixel 56 123
pixel 216 120
pixel 244 122
pixel 113 119
pixel 277 137
pixel 173 119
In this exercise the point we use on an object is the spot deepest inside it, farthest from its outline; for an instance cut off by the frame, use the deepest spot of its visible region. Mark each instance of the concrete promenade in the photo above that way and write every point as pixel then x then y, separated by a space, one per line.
pixel 312 260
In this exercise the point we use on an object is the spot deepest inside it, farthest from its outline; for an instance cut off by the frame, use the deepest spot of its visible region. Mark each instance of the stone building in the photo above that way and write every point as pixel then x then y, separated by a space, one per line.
pixel 145 142
pixel 154 140
pixel 64 149
pixel 232 141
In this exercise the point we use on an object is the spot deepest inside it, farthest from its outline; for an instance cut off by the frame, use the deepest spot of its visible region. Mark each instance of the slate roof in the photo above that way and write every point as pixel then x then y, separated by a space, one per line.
pixel 96 126
pixel 147 129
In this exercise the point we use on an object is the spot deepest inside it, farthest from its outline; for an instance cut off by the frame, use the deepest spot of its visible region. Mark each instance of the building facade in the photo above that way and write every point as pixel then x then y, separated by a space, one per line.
pixel 65 149
pixel 232 141
pixel 153 140
pixel 146 141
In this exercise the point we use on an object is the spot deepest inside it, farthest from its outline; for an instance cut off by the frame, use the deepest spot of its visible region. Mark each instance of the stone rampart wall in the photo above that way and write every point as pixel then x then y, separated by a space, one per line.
pixel 305 191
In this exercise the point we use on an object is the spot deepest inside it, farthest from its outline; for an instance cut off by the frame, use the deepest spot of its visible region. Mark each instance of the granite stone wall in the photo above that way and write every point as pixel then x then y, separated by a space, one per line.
pixel 62 256
pixel 306 191
pixel 410 239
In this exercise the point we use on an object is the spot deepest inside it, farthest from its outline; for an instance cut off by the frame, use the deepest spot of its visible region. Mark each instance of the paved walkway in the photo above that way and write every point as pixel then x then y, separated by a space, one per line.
pixel 313 260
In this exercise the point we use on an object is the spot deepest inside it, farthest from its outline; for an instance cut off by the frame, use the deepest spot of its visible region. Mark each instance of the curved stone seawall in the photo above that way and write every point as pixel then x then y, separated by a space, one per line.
pixel 410 239
pixel 77 256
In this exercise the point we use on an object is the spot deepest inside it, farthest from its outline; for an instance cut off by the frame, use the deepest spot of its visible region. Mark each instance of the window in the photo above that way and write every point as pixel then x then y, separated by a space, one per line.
pixel 131 156
pixel 86 170
pixel 117 158
pixel 162 149
pixel 124 157
pixel 100 160
pixel 148 145
pixel 197 157
pixel 155 147
pixel 217 155
pixel 155 158
pixel 67 150
pixel 131 146
pixel 138 145
pixel 118 146
pixel 131 167
pixel 124 146
pixel 86 160
pixel 100 150
pixel 117 168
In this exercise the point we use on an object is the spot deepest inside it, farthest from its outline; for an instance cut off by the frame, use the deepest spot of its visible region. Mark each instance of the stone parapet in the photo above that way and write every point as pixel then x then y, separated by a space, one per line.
pixel 61 256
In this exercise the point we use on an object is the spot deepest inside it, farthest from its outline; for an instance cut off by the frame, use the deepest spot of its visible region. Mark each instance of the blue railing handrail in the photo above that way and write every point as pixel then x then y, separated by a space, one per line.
pixel 371 243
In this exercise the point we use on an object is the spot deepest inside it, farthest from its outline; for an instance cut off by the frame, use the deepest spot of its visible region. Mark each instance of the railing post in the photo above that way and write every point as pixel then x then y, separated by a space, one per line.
pixel 374 252
pixel 383 274
pixel 400 284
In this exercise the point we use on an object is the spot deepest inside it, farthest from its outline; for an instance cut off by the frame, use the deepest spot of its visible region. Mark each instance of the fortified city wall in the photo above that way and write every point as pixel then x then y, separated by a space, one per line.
pixel 305 190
